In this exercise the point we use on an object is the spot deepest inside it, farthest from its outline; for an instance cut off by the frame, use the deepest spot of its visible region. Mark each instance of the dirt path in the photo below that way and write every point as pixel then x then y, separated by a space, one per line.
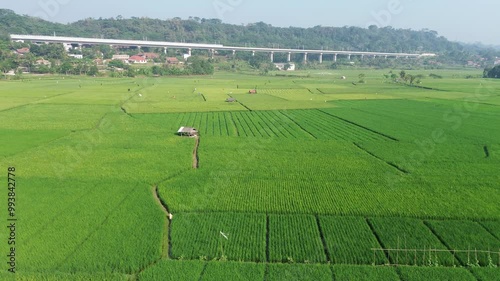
pixel 196 159
pixel 166 231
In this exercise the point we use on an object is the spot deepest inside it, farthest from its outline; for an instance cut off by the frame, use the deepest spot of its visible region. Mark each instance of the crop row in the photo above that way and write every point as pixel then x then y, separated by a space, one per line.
pixel 216 270
pixel 100 229
pixel 418 118
pixel 339 240
pixel 289 94
pixel 324 126
pixel 282 175
pixel 287 124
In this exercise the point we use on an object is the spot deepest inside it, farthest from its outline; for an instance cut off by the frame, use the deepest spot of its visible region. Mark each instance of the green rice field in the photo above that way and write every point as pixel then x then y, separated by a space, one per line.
pixel 311 178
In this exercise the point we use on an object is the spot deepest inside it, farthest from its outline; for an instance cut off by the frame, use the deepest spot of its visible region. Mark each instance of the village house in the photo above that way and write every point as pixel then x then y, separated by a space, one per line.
pixel 137 59
pixel 150 56
pixel 172 61
pixel 22 51
pixel 121 57
pixel 282 66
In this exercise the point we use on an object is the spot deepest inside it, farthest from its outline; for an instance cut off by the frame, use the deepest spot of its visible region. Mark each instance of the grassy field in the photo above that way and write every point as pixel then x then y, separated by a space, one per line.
pixel 312 178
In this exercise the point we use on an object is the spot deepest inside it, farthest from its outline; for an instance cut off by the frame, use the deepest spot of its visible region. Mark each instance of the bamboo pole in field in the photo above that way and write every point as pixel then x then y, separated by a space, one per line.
pixel 415 257
pixel 406 252
pixel 397 253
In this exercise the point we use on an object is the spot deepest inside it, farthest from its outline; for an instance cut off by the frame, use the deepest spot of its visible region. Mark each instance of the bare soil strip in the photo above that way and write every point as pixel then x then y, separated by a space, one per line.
pixel 166 232
pixel 196 159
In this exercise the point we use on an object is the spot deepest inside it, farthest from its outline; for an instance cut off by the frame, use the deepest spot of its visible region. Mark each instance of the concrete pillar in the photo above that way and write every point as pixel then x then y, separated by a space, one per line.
pixel 234 53
pixel 253 53
pixel 349 57
pixel 212 53
pixel 272 56
pixel 362 56
pixel 335 57
pixel 190 51
pixel 165 50
pixel 407 57
pixel 305 57
pixel 321 58
pixel 386 56
pixel 289 58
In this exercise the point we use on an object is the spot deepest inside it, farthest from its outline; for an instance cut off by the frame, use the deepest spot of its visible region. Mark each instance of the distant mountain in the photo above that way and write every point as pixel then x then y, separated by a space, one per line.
pixel 260 34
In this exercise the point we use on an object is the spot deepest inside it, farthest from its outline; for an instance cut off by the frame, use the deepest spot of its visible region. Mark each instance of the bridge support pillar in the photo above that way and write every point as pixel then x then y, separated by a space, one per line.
pixel 190 51
pixel 305 57
pixel 272 56
pixel 253 53
pixel 234 54
pixel 165 50
pixel 349 57
pixel 321 58
pixel 289 58
pixel 386 56
pixel 362 57
pixel 335 57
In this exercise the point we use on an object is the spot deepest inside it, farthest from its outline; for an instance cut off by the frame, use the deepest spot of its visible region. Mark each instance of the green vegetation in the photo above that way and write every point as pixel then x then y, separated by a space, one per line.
pixel 302 272
pixel 486 274
pixel 350 241
pixel 418 242
pixel 201 30
pixel 364 273
pixel 294 239
pixel 197 236
pixel 466 235
pixel 173 271
pixel 492 72
pixel 435 274
pixel 304 177
pixel 216 271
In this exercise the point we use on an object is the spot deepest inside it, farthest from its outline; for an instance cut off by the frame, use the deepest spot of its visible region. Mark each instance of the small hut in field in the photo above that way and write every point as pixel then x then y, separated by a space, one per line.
pixel 252 92
pixel 231 100
pixel 187 132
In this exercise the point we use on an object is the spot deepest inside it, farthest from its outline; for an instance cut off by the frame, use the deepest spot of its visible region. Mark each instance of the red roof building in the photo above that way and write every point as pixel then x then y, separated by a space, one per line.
pixel 137 59
pixel 172 61
pixel 23 51
pixel 150 56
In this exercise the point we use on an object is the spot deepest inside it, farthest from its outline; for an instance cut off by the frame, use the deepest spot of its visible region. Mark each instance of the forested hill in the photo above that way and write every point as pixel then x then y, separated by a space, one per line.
pixel 260 34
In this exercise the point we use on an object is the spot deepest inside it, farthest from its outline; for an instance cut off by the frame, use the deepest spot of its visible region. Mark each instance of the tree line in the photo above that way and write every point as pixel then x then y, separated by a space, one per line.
pixel 201 30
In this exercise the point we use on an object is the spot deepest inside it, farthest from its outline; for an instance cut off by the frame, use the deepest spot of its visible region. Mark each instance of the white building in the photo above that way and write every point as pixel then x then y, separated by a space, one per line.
pixel 121 57
pixel 76 56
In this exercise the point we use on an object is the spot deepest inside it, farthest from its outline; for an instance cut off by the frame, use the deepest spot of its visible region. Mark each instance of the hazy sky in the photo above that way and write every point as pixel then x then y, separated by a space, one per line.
pixel 458 20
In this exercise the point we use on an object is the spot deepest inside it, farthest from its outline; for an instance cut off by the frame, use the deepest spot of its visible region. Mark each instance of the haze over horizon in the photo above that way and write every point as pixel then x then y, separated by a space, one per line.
pixel 464 21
